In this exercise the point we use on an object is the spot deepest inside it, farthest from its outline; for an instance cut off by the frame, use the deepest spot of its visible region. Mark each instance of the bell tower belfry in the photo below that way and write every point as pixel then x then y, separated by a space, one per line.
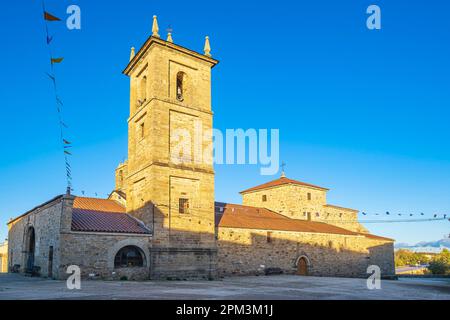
pixel 170 176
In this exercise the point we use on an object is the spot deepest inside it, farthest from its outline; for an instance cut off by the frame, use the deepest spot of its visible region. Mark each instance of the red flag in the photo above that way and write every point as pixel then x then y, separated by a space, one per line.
pixel 50 17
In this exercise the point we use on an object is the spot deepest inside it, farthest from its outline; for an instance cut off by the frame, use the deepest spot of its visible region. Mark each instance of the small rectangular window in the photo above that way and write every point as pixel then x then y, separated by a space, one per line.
pixel 142 130
pixel 269 237
pixel 264 198
pixel 183 205
pixel 309 196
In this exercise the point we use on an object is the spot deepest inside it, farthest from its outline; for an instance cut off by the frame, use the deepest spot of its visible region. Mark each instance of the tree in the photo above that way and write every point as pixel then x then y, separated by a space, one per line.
pixel 441 263
pixel 405 257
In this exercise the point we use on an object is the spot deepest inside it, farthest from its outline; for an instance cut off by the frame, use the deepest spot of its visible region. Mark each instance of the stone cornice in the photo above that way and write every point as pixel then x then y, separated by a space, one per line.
pixel 157 41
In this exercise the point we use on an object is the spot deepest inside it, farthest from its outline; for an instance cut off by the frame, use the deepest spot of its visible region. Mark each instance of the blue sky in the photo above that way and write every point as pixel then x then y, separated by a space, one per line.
pixel 364 113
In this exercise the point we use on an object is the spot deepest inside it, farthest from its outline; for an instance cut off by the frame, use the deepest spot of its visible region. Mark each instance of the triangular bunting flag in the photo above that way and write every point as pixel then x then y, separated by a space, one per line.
pixel 67 152
pixel 50 17
pixel 56 60
pixel 49 39
pixel 51 77
pixel 58 100
pixel 66 142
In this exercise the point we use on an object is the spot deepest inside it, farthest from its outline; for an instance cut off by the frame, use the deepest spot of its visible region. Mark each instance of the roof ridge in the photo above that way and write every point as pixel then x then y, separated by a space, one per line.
pixel 339 207
pixel 99 211
pixel 279 182
pixel 141 223
pixel 84 197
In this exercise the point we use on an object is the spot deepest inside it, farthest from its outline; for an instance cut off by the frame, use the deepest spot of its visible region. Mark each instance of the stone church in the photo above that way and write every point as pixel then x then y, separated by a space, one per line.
pixel 162 221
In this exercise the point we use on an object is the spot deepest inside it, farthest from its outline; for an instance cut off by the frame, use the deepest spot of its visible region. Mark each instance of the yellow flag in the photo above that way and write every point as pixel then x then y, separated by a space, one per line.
pixel 57 60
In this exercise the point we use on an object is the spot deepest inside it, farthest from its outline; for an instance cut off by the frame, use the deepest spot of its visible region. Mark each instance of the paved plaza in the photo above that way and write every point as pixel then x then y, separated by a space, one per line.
pixel 17 287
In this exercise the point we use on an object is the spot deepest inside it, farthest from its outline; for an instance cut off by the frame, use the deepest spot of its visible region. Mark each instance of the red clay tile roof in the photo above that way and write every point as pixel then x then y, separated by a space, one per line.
pixel 245 217
pixel 372 236
pixel 279 182
pixel 102 215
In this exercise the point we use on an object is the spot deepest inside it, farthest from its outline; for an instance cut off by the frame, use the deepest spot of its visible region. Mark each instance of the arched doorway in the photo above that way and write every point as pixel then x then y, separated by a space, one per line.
pixel 302 266
pixel 30 249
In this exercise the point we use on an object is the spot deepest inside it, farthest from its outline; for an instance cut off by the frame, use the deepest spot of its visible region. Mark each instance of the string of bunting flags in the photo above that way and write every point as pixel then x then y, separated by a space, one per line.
pixel 405 217
pixel 65 142
pixel 403 214
pixel 365 217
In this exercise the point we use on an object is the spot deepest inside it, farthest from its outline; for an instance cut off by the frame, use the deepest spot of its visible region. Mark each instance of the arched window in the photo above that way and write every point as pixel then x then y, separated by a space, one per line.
pixel 121 178
pixel 181 85
pixel 129 256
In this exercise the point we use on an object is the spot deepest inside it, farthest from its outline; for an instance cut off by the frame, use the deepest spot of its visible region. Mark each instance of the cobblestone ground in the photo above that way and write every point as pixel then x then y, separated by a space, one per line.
pixel 16 287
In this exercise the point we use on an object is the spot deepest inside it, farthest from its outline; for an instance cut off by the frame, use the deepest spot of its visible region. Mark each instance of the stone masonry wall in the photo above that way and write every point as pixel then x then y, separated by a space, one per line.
pixel 183 244
pixel 292 201
pixel 46 222
pixel 94 253
pixel 289 200
pixel 121 174
pixel 248 252
pixel 156 181
pixel 343 218
pixel 4 257
pixel 183 263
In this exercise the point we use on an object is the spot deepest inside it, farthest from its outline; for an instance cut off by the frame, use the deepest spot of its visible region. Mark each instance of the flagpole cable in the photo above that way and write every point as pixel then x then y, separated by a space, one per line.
pixel 65 143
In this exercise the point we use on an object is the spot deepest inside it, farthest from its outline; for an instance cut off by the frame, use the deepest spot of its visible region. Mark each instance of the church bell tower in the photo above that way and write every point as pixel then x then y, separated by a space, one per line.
pixel 170 176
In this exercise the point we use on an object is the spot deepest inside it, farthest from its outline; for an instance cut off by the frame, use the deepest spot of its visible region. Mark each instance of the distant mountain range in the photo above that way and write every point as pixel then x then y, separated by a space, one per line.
pixel 424 246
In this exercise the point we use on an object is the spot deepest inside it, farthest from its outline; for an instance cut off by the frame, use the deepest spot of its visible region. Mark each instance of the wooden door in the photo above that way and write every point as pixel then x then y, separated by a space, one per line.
pixel 302 267
pixel 50 262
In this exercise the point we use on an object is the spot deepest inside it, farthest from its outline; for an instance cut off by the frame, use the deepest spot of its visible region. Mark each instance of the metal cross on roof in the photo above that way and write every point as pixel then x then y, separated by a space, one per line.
pixel 283 165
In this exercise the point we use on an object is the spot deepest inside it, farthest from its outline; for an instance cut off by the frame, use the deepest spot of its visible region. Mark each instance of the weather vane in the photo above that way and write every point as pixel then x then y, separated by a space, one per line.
pixel 283 165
